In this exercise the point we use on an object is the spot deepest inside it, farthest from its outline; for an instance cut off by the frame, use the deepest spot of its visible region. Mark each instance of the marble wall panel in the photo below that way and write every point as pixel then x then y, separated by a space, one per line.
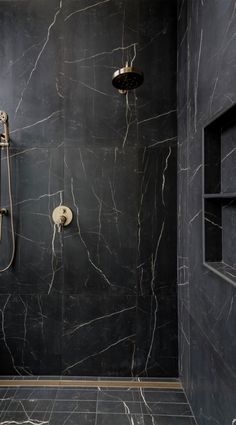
pixel 206 74
pixel 108 282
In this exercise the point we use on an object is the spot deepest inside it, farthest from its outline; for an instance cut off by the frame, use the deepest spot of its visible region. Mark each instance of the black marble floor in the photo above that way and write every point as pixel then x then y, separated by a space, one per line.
pixel 94 406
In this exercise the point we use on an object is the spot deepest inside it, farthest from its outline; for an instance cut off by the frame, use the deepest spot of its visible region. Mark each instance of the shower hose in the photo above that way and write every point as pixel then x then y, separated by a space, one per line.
pixel 11 213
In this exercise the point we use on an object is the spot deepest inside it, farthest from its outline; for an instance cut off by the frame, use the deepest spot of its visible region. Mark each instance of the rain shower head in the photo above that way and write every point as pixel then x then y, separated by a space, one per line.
pixel 127 78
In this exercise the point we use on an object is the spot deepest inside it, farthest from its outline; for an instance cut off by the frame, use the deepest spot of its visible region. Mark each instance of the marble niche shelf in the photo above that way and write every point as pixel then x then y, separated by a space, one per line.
pixel 219 195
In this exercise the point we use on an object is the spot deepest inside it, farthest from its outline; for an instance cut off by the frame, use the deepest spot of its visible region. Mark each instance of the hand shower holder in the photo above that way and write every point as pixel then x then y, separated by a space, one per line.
pixel 4 137
pixel 3 211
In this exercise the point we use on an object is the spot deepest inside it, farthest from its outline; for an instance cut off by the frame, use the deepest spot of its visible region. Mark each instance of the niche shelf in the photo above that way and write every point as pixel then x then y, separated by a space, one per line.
pixel 219 195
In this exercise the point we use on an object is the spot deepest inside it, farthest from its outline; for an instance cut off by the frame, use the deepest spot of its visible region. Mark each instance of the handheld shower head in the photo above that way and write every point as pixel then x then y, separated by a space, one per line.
pixel 127 78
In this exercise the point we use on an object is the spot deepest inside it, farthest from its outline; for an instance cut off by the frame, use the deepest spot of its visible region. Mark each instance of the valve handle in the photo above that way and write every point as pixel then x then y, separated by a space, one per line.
pixel 62 216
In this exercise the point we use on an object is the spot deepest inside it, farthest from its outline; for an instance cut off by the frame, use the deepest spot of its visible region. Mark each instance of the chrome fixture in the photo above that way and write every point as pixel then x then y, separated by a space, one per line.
pixel 62 216
pixel 127 78
pixel 4 144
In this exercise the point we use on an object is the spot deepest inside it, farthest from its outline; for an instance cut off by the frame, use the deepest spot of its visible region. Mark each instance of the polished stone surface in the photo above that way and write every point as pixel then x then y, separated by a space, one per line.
pixel 207 309
pixel 55 406
pixel 99 298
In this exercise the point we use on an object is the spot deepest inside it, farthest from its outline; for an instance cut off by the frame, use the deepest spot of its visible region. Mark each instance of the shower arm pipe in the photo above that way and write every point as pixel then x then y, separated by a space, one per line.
pixel 4 141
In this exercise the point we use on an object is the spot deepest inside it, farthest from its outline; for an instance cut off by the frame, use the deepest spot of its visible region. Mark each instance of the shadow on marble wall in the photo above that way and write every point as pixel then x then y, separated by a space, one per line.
pixel 206 75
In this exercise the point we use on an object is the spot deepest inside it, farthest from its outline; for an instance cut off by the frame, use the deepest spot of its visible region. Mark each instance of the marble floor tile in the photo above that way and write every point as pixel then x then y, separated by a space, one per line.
pixel 94 406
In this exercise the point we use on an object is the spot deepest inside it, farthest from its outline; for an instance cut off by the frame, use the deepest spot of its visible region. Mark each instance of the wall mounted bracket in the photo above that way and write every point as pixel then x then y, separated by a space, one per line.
pixel 3 211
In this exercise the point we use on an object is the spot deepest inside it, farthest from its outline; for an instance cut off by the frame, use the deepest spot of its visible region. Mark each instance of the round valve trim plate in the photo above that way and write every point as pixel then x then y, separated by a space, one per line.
pixel 62 211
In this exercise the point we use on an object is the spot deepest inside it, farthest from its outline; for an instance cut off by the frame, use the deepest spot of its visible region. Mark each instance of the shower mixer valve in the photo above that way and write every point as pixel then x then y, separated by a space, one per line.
pixel 62 216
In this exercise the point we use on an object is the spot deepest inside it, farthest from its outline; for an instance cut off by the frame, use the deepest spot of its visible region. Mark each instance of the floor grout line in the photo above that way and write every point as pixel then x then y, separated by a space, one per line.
pixel 99 413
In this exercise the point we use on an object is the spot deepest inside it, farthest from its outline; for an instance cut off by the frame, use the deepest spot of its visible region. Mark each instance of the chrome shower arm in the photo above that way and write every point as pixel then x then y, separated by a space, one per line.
pixel 4 141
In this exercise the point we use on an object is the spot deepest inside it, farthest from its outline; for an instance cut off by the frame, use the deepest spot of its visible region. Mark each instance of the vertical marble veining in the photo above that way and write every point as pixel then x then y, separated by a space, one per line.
pixel 207 312
pixel 99 298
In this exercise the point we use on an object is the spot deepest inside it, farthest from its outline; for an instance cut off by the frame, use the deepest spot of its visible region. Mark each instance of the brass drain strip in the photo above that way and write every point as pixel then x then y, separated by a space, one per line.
pixel 73 383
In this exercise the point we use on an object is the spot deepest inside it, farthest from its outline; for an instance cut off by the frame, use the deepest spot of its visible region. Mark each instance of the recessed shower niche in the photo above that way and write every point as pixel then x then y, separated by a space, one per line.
pixel 219 197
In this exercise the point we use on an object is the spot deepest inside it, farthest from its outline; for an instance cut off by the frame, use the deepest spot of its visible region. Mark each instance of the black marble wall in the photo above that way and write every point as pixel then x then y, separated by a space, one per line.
pixel 99 298
pixel 207 310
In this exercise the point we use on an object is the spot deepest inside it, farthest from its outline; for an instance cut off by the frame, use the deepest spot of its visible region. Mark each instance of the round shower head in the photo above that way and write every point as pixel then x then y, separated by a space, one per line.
pixel 127 78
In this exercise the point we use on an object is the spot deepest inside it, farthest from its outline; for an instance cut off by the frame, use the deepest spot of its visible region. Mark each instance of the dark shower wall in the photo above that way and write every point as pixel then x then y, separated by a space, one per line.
pixel 99 298
pixel 207 311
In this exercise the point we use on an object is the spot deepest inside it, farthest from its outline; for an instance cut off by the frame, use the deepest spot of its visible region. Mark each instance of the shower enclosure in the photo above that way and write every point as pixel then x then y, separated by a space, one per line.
pixel 98 298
